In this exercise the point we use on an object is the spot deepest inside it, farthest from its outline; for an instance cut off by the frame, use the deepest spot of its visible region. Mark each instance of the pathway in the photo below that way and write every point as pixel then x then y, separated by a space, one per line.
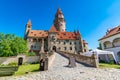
pixel 59 71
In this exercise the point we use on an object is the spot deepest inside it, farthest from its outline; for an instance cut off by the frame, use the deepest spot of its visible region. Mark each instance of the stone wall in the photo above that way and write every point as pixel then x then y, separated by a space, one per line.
pixel 91 61
pixel 51 60
pixel 7 60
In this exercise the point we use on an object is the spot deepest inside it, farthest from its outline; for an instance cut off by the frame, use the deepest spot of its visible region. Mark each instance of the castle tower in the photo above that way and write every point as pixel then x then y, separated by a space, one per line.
pixel 28 28
pixel 59 21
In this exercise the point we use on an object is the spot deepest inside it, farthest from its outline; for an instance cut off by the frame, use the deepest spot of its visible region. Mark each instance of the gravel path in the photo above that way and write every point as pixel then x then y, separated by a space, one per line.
pixel 59 71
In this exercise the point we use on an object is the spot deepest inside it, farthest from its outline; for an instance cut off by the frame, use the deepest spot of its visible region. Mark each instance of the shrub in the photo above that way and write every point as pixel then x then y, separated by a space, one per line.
pixel 12 64
pixel 30 54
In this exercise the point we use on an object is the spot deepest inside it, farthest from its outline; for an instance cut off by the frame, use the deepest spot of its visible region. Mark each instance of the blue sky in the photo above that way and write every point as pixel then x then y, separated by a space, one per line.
pixel 91 17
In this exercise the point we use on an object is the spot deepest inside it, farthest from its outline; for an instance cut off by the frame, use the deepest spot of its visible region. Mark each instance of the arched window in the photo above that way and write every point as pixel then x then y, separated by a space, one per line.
pixel 116 42
pixel 107 45
pixel 34 40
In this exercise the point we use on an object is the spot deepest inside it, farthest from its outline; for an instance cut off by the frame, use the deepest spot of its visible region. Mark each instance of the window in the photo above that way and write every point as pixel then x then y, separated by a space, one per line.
pixel 34 40
pixel 34 46
pixel 70 43
pixel 64 43
pixel 65 48
pixel 39 40
pixel 28 26
pixel 59 42
pixel 75 43
pixel 59 48
pixel 84 50
pixel 70 48
pixel 31 46
pixel 84 45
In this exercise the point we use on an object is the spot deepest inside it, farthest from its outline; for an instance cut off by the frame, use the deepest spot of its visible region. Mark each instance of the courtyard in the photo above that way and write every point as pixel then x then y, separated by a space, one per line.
pixel 60 71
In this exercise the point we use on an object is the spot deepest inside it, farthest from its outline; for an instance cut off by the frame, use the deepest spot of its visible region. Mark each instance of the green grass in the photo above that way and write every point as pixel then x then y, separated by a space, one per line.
pixel 27 68
pixel 105 65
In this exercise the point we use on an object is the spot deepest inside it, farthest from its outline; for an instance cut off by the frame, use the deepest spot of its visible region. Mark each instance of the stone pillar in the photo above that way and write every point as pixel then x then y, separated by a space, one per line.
pixel 95 60
pixel 42 46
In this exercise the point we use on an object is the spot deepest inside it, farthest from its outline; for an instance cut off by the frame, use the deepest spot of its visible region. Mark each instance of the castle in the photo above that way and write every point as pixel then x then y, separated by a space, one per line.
pixel 56 38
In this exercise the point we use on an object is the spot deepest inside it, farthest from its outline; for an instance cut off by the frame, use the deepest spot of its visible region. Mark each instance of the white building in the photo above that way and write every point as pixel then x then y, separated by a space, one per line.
pixel 111 41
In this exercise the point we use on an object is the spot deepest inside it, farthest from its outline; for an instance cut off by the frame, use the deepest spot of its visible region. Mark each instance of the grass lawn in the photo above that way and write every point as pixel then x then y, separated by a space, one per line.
pixel 105 65
pixel 27 68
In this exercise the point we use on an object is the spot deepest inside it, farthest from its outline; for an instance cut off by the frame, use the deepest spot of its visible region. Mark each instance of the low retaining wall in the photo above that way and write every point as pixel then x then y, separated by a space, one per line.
pixel 92 61
pixel 29 59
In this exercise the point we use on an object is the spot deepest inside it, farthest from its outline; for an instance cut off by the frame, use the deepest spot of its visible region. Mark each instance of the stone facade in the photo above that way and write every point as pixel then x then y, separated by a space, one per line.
pixel 111 42
pixel 57 38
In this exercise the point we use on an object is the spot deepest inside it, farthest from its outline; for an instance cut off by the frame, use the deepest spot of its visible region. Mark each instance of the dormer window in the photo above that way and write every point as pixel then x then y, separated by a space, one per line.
pixel 118 29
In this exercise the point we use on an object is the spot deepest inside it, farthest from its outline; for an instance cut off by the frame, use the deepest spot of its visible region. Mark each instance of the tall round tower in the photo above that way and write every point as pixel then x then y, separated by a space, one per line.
pixel 59 21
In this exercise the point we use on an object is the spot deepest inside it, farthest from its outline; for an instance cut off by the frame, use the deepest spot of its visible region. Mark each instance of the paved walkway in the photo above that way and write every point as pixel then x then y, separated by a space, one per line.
pixel 59 71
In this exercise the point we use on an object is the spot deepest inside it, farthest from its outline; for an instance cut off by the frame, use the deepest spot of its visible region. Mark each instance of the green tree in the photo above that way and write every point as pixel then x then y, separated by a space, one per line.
pixel 11 45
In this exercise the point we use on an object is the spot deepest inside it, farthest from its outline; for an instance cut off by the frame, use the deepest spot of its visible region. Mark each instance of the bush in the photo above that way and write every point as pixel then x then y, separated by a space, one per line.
pixel 111 62
pixel 12 64
pixel 35 63
pixel 30 54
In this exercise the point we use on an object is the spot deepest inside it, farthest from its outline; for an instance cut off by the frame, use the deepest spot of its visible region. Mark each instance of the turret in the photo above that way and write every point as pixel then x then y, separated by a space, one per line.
pixel 28 28
pixel 59 21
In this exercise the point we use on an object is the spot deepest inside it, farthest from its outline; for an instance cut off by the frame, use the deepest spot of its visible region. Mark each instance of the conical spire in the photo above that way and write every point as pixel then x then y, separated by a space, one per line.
pixel 29 22
pixel 59 11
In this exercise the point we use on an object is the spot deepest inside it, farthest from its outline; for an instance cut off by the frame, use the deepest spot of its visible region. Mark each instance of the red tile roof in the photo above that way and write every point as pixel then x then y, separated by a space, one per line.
pixel 60 35
pixel 112 32
pixel 67 36
pixel 37 33
pixel 53 29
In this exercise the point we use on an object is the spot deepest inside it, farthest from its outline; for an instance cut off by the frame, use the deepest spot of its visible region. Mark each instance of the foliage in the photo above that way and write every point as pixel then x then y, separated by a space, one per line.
pixel 12 64
pixel 11 45
pixel 27 68
pixel 31 54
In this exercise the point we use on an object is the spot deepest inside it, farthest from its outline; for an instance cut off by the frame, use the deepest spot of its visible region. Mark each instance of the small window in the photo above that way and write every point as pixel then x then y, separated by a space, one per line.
pixel 75 43
pixel 39 40
pixel 84 45
pixel 65 48
pixel 64 43
pixel 34 40
pixel 34 46
pixel 59 42
pixel 28 26
pixel 70 48
pixel 31 46
pixel 59 48
pixel 70 43
pixel 84 50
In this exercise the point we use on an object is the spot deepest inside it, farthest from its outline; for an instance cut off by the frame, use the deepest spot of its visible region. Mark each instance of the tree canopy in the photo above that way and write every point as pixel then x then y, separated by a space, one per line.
pixel 12 45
